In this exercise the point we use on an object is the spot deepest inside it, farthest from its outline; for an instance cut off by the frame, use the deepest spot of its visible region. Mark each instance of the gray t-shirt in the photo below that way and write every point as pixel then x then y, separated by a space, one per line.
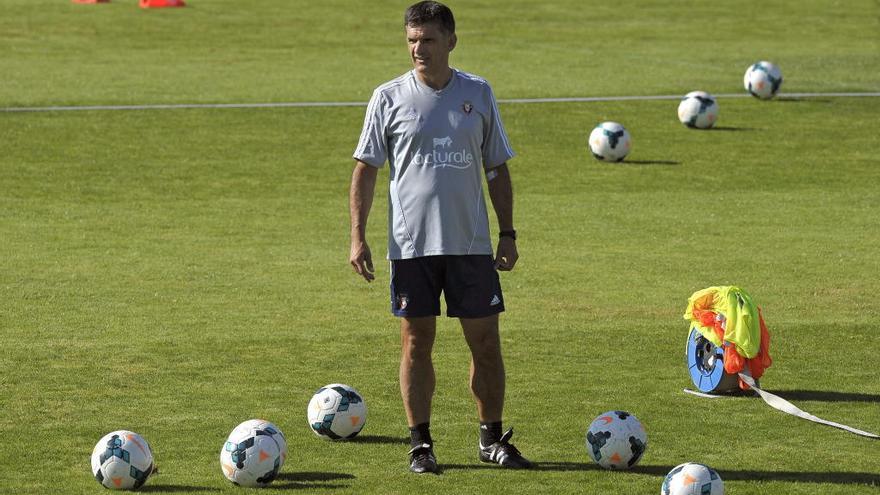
pixel 438 145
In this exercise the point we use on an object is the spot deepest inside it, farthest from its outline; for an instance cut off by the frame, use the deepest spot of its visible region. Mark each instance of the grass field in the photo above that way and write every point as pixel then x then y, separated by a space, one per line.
pixel 176 272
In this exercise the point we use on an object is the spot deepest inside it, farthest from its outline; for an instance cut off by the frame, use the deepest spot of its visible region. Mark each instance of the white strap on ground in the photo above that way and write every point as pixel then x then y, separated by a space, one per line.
pixel 783 405
pixel 701 394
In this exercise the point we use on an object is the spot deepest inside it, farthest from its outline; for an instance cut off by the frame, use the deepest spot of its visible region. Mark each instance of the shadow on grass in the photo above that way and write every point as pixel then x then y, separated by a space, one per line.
pixel 837 477
pixel 314 476
pixel 539 466
pixel 826 396
pixel 285 481
pixel 730 128
pixel 378 439
pixel 565 466
pixel 310 480
pixel 651 162
pixel 148 488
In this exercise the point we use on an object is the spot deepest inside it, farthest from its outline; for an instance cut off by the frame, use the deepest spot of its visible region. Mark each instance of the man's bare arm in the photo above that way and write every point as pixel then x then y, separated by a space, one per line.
pixel 360 200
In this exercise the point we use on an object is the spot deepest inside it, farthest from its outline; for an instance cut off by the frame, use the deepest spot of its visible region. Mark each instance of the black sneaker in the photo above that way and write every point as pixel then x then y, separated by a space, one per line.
pixel 422 460
pixel 504 453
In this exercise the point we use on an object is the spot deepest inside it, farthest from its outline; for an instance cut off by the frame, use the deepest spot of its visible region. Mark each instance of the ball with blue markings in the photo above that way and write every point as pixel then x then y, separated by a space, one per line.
pixel 253 453
pixel 122 460
pixel 762 80
pixel 610 142
pixel 698 110
pixel 691 478
pixel 337 412
pixel 616 440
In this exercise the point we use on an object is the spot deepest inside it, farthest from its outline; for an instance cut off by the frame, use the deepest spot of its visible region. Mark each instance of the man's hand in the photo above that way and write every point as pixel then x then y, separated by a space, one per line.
pixel 362 260
pixel 506 254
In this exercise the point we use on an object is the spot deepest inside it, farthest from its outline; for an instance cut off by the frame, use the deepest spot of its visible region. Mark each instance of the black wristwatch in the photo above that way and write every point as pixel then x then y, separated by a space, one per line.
pixel 508 233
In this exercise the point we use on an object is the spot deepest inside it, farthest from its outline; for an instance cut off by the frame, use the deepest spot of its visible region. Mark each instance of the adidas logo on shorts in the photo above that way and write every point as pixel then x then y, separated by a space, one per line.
pixel 495 300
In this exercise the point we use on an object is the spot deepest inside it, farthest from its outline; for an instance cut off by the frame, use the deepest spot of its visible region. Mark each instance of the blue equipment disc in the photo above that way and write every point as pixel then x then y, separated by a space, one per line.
pixel 705 363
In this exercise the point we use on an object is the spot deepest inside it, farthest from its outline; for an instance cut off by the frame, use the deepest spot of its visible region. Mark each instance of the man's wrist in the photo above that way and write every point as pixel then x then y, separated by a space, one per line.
pixel 507 233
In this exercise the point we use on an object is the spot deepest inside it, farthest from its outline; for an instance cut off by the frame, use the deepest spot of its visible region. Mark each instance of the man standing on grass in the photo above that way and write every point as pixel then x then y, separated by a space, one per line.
pixel 440 131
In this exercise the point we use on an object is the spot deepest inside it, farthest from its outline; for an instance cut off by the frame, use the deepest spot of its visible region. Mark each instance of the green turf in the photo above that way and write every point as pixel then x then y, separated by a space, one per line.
pixel 56 52
pixel 177 272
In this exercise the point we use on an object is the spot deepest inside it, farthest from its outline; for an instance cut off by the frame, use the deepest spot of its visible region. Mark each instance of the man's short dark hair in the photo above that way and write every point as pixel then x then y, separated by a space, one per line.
pixel 430 12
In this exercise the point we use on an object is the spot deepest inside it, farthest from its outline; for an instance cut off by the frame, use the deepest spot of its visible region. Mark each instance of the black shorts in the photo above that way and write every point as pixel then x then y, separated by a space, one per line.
pixel 469 284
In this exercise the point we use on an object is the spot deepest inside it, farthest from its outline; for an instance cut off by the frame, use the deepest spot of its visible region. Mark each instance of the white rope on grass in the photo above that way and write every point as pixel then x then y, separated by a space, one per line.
pixel 328 104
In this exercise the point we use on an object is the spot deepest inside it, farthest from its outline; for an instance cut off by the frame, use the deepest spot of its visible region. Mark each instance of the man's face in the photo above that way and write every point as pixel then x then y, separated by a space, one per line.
pixel 429 47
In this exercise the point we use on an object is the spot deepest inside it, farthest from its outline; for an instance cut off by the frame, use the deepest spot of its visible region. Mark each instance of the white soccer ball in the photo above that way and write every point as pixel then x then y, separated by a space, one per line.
pixel 616 440
pixel 698 109
pixel 762 80
pixel 122 460
pixel 610 142
pixel 264 427
pixel 337 411
pixel 253 454
pixel 692 479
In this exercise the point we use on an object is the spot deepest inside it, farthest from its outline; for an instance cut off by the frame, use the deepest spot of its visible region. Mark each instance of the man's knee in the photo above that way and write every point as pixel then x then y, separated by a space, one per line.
pixel 416 345
pixel 486 349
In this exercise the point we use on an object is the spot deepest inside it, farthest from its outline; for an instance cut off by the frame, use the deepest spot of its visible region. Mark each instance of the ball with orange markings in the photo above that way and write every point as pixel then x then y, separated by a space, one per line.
pixel 122 460
pixel 253 453
pixel 609 142
pixel 691 478
pixel 698 110
pixel 268 428
pixel 616 440
pixel 762 80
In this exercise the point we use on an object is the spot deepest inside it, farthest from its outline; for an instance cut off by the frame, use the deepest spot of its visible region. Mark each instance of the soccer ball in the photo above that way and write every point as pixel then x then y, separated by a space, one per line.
pixel 253 454
pixel 762 80
pixel 616 440
pixel 692 479
pixel 264 427
pixel 337 411
pixel 609 142
pixel 698 109
pixel 122 460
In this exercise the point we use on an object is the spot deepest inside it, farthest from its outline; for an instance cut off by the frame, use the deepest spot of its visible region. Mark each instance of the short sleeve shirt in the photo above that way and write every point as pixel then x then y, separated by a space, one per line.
pixel 438 145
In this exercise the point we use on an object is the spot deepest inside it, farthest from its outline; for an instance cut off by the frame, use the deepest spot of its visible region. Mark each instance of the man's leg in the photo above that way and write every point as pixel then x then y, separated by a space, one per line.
pixel 487 366
pixel 416 367
pixel 417 388
pixel 487 386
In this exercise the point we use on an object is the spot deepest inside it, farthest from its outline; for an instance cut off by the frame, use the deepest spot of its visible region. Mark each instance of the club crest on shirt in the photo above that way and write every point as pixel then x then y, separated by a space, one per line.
pixel 467 106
